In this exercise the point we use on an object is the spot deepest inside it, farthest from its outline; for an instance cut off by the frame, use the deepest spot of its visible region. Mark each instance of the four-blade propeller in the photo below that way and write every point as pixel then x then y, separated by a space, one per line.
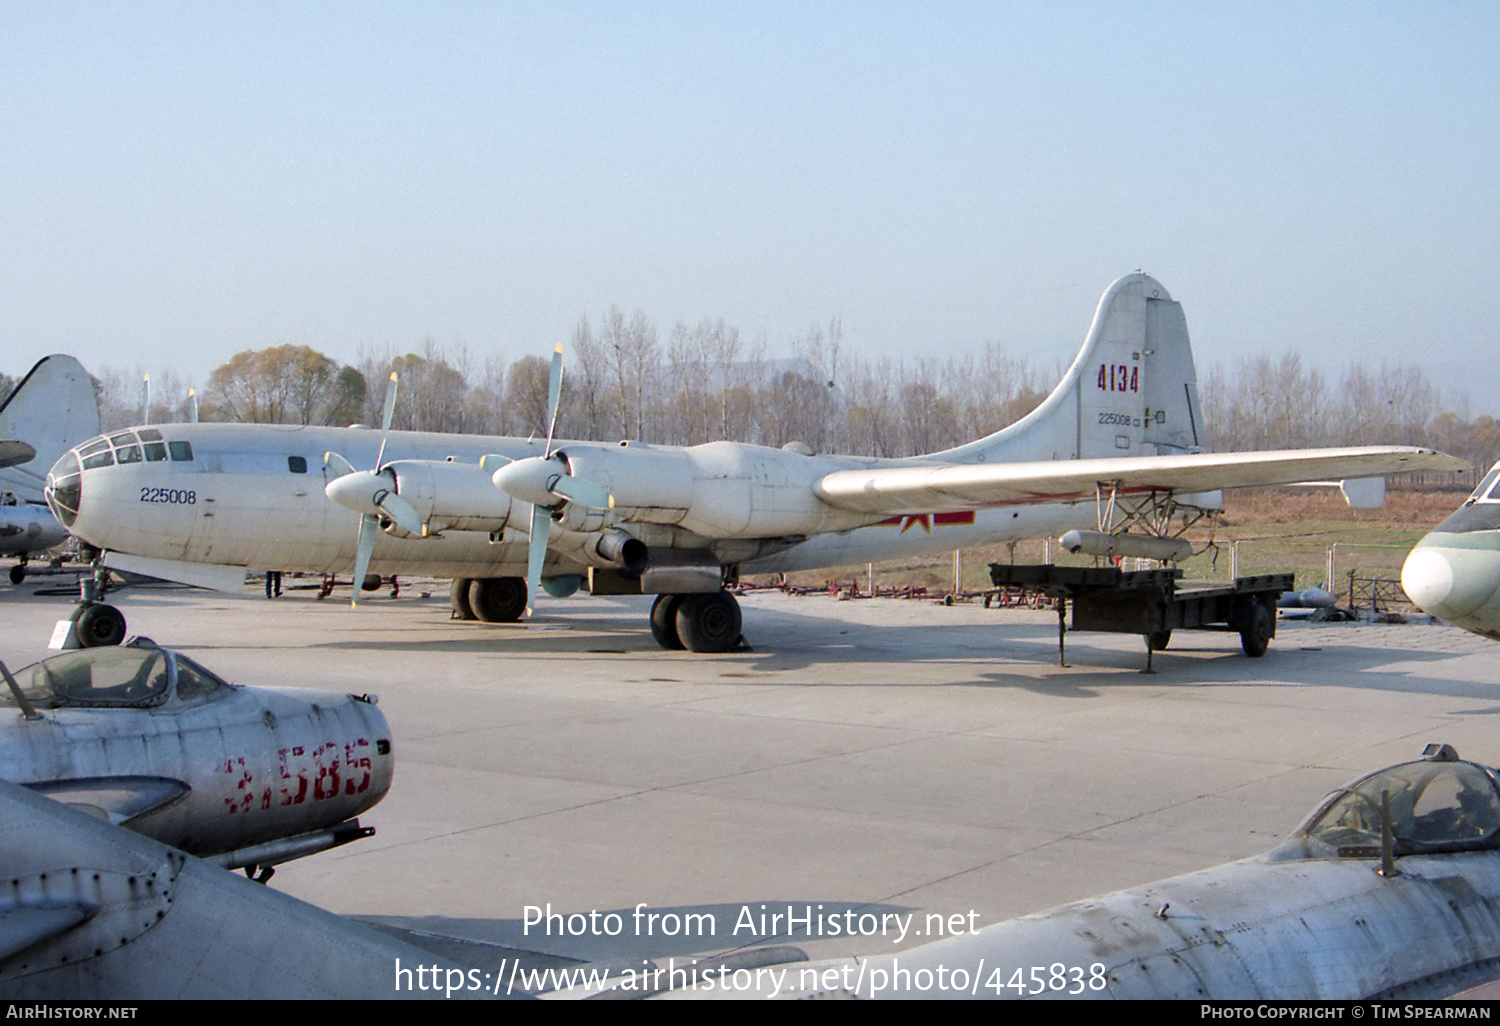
pixel 546 482
pixel 372 494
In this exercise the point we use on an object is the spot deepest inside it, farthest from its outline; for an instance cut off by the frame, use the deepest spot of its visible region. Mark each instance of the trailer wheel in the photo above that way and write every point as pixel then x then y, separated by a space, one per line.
pixel 1159 640
pixel 1259 629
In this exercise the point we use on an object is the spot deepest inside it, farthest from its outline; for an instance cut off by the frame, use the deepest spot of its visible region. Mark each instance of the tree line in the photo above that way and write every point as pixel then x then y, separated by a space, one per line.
pixel 625 378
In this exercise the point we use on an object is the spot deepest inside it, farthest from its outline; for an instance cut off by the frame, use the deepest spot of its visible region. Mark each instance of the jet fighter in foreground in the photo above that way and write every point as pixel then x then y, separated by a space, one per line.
pixel 1116 447
pixel 148 739
pixel 1391 889
pixel 91 912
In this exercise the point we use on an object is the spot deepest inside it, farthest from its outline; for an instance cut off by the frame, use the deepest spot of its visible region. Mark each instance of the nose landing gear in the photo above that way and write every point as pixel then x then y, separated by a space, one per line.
pixel 95 624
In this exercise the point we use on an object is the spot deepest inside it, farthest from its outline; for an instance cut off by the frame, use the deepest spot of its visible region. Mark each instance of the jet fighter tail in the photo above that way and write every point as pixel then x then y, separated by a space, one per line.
pixel 53 409
pixel 1131 391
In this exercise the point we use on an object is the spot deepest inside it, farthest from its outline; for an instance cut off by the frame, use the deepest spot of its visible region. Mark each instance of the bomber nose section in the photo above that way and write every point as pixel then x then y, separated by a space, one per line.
pixel 1451 583
pixel 64 489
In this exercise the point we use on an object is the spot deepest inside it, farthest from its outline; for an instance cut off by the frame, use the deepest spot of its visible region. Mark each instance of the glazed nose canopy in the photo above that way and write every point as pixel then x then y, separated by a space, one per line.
pixel 64 489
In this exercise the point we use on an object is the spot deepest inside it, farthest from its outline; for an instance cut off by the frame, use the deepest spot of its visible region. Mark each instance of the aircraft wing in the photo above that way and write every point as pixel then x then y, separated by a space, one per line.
pixel 114 799
pixel 925 489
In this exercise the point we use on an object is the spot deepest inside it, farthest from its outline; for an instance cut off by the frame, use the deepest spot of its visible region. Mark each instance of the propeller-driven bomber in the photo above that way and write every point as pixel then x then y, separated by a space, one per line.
pixel 1116 447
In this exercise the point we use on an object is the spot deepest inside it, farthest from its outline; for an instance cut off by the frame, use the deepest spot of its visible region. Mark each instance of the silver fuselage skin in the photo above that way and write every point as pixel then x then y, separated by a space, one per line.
pixel 237 503
pixel 243 766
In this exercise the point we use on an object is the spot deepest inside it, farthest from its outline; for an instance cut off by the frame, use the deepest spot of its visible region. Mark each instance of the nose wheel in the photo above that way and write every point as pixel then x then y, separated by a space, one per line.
pixel 100 626
pixel 96 624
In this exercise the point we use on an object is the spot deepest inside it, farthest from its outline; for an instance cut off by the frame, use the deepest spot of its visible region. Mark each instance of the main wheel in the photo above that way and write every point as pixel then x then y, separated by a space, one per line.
pixel 709 622
pixel 100 627
pixel 1259 629
pixel 498 599
pixel 459 596
pixel 1159 640
pixel 664 622
pixel 18 573
pixel 370 583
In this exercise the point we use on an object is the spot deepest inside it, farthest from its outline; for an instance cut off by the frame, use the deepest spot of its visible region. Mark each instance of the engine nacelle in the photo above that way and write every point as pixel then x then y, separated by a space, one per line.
pixel 719 490
pixel 452 496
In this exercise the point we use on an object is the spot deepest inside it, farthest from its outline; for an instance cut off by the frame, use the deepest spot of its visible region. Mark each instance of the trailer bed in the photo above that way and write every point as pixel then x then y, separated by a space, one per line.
pixel 1153 603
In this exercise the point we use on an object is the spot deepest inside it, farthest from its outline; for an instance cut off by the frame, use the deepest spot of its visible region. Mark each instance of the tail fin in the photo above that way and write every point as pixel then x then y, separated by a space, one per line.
pixel 53 409
pixel 1131 391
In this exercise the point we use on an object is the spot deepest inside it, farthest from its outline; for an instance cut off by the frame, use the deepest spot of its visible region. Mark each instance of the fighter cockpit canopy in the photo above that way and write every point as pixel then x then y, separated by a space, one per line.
pixel 1439 803
pixel 136 675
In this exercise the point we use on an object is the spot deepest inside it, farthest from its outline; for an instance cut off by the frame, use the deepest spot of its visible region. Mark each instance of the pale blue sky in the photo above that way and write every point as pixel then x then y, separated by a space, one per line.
pixel 182 181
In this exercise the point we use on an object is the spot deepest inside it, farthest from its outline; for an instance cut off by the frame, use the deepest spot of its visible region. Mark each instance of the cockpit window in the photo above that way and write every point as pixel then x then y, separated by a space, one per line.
pixel 193 681
pixel 97 677
pixel 1434 807
pixel 1486 486
pixel 97 445
pixel 182 452
pixel 129 454
pixel 123 438
pixel 156 452
pixel 99 459
pixel 149 435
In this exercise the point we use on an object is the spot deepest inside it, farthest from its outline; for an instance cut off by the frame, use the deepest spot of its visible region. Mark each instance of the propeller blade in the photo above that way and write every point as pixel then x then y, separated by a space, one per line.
pixel 554 396
pixel 337 465
pixel 401 511
pixel 368 525
pixel 536 554
pixel 385 426
pixel 582 491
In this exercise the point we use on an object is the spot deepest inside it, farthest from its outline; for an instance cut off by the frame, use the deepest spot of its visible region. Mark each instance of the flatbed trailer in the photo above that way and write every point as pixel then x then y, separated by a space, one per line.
pixel 1152 603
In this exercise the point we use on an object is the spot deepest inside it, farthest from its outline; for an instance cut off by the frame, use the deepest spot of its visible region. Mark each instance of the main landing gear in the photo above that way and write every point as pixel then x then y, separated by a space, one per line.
pixel 491 599
pixel 708 622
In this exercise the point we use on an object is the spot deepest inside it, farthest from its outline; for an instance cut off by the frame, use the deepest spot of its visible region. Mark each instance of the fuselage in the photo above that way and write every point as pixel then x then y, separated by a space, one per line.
pixel 1454 572
pixel 253 496
pixel 25 528
pixel 219 767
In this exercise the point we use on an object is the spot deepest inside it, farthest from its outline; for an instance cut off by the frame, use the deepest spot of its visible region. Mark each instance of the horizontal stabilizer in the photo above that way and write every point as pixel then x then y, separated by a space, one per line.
pixel 924 488
pixel 14 452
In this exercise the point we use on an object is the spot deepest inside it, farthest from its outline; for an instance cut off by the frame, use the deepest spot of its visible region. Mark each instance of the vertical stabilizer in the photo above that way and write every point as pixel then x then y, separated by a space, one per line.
pixel 53 409
pixel 1131 391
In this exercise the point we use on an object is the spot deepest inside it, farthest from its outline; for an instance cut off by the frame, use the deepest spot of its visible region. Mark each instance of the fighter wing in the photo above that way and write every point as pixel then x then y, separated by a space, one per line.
pixel 114 799
pixel 924 489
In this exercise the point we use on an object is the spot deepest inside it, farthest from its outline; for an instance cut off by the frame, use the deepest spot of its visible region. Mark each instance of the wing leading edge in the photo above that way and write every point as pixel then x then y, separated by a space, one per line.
pixel 924 488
